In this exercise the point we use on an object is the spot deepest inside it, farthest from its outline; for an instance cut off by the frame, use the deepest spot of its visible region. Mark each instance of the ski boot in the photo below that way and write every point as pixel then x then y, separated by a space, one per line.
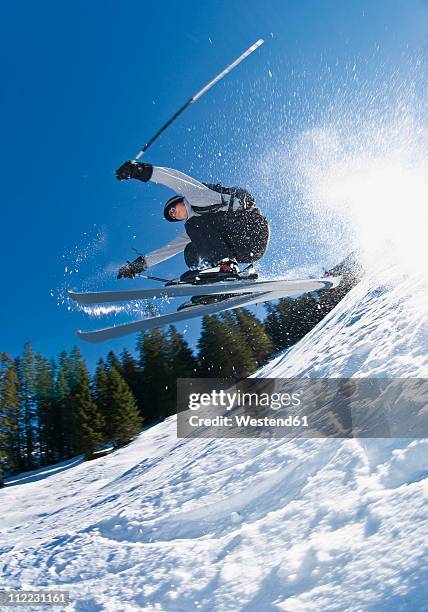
pixel 226 270
pixel 204 300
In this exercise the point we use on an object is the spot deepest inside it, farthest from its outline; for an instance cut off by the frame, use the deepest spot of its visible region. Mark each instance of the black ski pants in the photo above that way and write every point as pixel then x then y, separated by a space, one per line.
pixel 240 234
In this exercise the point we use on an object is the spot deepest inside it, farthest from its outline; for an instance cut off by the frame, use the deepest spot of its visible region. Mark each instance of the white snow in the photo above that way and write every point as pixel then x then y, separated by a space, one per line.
pixel 255 525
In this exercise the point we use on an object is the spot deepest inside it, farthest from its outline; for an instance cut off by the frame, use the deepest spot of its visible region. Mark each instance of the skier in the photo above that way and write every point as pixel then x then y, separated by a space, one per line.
pixel 223 227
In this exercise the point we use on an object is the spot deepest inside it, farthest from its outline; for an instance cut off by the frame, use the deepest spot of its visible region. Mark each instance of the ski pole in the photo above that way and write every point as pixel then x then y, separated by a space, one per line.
pixel 155 278
pixel 200 93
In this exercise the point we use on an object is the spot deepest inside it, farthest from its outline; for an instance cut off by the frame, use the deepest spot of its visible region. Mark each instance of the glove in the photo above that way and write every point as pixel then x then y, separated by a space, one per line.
pixel 135 170
pixel 132 268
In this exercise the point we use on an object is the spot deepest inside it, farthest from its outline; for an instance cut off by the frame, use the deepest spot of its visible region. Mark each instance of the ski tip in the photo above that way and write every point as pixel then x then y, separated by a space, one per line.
pixel 87 336
pixel 80 298
pixel 72 295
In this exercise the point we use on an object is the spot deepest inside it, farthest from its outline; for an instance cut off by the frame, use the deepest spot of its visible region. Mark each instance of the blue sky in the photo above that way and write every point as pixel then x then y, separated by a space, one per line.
pixel 85 84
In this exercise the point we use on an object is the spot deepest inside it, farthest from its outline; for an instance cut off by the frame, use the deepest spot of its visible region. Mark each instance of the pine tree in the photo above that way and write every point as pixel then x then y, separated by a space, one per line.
pixel 64 364
pixel 75 365
pixel 74 377
pixel 26 376
pixel 245 362
pixel 222 350
pixel 68 378
pixel 113 362
pixel 255 335
pixel 99 385
pixel 158 381
pixel 182 362
pixel 10 435
pixel 131 372
pixel 45 408
pixel 90 423
pixel 5 363
pixel 207 349
pixel 62 417
pixel 273 326
pixel 123 421
pixel 100 393
pixel 284 323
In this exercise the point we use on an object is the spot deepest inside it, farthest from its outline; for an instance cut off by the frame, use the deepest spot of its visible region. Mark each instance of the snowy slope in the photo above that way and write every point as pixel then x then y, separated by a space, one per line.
pixel 169 524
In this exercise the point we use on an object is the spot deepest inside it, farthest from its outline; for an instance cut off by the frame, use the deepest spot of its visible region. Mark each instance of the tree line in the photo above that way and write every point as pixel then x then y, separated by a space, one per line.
pixel 52 409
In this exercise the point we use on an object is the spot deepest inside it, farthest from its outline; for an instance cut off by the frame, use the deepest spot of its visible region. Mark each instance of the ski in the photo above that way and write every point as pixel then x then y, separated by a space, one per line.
pixel 117 331
pixel 289 287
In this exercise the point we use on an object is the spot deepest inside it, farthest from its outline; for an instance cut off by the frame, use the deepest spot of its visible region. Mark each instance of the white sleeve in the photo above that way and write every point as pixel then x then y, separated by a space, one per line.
pixel 196 193
pixel 168 250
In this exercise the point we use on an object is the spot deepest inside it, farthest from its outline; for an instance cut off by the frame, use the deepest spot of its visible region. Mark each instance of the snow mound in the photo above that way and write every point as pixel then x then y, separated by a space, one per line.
pixel 169 524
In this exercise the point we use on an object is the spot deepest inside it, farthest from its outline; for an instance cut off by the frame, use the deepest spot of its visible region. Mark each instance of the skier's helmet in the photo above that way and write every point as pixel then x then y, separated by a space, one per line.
pixel 171 203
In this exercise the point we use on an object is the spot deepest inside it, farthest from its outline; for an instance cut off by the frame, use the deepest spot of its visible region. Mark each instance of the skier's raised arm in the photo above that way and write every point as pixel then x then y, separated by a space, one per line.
pixel 195 192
